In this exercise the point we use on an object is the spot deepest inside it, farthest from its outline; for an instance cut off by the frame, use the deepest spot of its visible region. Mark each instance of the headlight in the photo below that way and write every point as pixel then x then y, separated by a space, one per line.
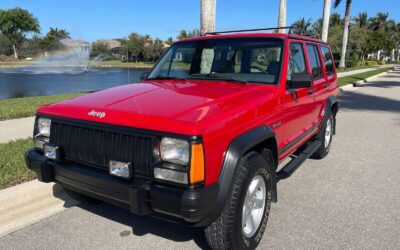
pixel 42 132
pixel 174 150
pixel 44 125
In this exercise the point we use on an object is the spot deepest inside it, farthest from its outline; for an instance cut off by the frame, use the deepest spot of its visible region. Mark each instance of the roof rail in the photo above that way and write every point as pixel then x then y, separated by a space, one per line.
pixel 292 30
pixel 240 31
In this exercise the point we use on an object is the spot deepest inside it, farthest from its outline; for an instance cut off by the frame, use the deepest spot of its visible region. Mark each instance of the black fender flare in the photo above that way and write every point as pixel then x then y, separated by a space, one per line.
pixel 332 100
pixel 236 149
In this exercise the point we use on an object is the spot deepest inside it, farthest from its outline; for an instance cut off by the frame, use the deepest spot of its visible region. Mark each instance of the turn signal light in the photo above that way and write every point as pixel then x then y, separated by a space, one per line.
pixel 197 169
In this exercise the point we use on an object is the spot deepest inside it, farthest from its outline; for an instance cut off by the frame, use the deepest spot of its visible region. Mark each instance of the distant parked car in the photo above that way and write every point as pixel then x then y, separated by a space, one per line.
pixel 199 140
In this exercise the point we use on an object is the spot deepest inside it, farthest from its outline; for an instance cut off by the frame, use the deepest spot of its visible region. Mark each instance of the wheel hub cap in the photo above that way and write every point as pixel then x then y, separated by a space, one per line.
pixel 253 207
pixel 328 133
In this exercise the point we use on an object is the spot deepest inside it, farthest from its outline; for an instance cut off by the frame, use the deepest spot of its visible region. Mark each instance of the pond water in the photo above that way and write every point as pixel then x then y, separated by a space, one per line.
pixel 22 82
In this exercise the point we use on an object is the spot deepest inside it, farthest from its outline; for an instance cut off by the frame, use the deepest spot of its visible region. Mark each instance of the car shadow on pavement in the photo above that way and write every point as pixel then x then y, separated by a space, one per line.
pixel 358 101
pixel 141 225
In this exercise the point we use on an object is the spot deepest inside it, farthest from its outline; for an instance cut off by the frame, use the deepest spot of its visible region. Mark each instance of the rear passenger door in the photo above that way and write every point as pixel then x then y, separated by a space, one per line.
pixel 319 80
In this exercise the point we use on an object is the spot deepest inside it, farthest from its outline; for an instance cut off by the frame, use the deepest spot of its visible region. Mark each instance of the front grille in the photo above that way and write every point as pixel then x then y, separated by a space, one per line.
pixel 97 145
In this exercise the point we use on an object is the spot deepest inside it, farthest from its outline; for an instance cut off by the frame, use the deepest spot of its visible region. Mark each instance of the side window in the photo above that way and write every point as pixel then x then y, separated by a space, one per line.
pixel 328 61
pixel 315 63
pixel 297 63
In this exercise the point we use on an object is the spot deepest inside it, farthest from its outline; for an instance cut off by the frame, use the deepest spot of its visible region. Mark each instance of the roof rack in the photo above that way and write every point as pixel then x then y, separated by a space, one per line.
pixel 292 30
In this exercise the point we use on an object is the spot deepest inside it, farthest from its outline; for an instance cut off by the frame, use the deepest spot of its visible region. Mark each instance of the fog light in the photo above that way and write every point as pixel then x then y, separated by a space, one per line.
pixel 171 175
pixel 40 141
pixel 51 152
pixel 121 169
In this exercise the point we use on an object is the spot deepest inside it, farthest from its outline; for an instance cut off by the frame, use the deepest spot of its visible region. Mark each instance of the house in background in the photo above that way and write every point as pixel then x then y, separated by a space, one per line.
pixel 115 48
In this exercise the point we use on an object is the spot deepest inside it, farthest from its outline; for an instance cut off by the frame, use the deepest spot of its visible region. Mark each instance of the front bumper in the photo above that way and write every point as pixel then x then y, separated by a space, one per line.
pixel 140 196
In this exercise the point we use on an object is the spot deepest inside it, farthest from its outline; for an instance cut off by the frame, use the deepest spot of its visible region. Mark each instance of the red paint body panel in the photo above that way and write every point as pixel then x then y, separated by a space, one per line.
pixel 219 111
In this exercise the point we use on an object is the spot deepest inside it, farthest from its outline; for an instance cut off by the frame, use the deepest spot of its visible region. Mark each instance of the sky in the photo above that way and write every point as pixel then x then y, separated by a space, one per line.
pixel 105 19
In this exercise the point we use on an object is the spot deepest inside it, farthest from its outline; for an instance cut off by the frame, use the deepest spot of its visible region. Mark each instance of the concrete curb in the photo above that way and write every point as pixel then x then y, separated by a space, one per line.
pixel 357 84
pixel 30 202
pixel 361 82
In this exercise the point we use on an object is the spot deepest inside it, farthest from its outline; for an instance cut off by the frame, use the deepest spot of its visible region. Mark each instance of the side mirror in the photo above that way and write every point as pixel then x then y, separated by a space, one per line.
pixel 300 80
pixel 143 76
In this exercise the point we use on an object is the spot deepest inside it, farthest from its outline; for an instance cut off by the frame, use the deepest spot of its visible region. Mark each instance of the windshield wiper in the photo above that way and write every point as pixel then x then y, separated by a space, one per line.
pixel 217 77
pixel 166 78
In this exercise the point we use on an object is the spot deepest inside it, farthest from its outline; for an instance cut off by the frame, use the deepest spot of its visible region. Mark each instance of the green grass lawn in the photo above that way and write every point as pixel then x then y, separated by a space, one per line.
pixel 26 106
pixel 355 68
pixel 12 163
pixel 354 78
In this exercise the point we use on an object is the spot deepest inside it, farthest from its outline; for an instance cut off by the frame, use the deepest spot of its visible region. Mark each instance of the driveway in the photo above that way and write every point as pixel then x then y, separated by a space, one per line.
pixel 351 199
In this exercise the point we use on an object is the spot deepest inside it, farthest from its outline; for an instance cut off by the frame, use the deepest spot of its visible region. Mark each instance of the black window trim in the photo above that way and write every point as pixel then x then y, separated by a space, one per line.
pixel 328 74
pixel 319 59
pixel 302 49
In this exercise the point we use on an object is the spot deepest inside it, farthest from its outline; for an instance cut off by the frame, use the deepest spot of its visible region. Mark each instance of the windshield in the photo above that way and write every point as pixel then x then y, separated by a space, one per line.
pixel 236 59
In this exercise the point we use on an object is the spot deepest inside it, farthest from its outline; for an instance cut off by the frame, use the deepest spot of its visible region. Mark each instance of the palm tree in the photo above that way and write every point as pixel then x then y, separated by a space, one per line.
pixel 282 16
pixel 58 34
pixel 335 20
pixel 182 35
pixel 207 16
pixel 317 26
pixel 379 22
pixel 342 63
pixel 361 20
pixel 394 32
pixel 325 22
pixel 302 26
pixel 169 41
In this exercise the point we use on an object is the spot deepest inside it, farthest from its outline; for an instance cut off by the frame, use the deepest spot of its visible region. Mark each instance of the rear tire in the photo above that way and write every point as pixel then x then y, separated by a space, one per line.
pixel 244 218
pixel 325 136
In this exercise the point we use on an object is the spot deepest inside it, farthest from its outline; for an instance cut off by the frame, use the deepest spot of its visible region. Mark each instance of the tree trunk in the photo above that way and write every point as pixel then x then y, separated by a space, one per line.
pixel 392 56
pixel 282 16
pixel 362 59
pixel 15 51
pixel 325 22
pixel 378 56
pixel 398 55
pixel 207 16
pixel 342 63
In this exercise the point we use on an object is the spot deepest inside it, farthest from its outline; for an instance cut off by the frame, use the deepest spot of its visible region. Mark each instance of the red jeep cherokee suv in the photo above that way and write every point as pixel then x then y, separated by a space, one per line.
pixel 199 140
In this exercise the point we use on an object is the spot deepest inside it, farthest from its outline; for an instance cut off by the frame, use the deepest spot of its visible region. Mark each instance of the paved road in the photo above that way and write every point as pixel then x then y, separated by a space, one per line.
pixel 350 200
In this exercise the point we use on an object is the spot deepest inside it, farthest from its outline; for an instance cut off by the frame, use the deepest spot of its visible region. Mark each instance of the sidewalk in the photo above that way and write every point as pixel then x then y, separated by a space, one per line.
pixel 16 129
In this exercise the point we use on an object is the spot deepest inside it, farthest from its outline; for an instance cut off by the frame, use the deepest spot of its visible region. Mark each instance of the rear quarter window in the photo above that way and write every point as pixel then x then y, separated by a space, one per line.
pixel 328 61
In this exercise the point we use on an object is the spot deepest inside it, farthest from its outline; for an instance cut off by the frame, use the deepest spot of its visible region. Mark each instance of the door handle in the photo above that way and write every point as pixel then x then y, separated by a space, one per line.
pixel 311 91
pixel 325 85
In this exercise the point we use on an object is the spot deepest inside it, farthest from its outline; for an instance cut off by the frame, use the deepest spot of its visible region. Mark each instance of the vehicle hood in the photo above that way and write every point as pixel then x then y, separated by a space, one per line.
pixel 170 106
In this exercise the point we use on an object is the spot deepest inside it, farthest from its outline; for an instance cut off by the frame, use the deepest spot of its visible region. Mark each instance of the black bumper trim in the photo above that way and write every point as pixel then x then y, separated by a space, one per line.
pixel 140 196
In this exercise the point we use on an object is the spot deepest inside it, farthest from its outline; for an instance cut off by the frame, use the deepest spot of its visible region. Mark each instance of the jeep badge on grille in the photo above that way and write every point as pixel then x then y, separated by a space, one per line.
pixel 95 113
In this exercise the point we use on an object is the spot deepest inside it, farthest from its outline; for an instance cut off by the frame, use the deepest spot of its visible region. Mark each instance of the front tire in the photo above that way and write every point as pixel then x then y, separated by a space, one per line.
pixel 244 218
